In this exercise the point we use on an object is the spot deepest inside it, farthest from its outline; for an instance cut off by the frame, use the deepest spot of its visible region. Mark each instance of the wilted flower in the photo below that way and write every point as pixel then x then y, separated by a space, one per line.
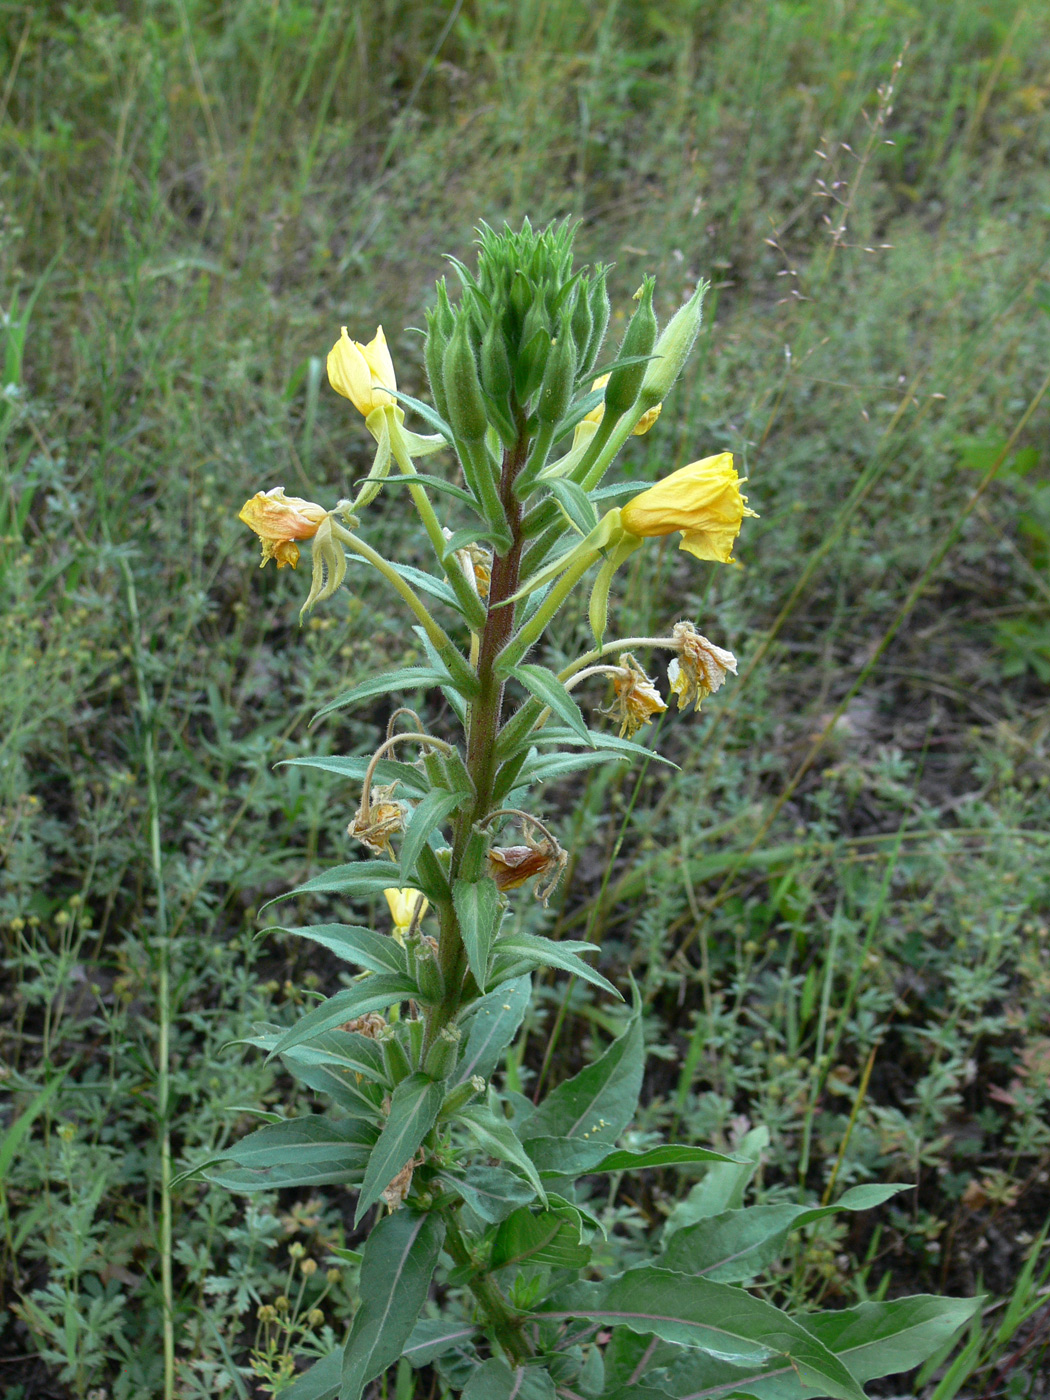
pixel 378 819
pixel 644 423
pixel 394 1194
pixel 406 906
pixel 371 1025
pixel 279 521
pixel 699 668
pixel 636 698
pixel 512 866
pixel 361 372
pixel 476 562
pixel 703 500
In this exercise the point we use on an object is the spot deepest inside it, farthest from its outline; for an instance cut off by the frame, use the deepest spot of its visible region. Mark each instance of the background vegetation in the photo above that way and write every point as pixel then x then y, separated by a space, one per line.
pixel 838 908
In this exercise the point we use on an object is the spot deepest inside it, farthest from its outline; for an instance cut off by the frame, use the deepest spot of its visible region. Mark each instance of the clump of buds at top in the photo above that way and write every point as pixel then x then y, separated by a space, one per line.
pixel 526 330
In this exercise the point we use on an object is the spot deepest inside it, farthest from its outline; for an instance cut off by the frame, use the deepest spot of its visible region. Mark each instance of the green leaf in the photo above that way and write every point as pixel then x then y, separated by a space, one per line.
pixel 438 483
pixel 496 1137
pixel 494 1020
pixel 530 948
pixel 479 910
pixel 542 1237
pixel 723 1185
pixel 598 1103
pixel 377 952
pixel 321 1382
pixel 879 1339
pixel 409 678
pixel 547 768
pixel 738 1244
pixel 433 1336
pixel 548 689
pixel 400 1255
pixel 561 1156
pixel 427 413
pixel 667 1155
pixel 313 1138
pixel 354 767
pixel 373 993
pixel 491 1192
pixel 726 1322
pixel 575 503
pixel 494 1380
pixel 627 748
pixel 357 1099
pixel 414 1107
pixel 362 879
pixel 427 817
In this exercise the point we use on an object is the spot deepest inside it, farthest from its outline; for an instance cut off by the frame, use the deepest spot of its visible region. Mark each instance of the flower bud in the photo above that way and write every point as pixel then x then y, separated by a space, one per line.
pixel 395 1061
pixel 533 353
pixel 598 301
pixel 443 1054
pixel 582 326
pixel 672 349
pixel 460 1096
pixel 361 372
pixel 433 357
pixel 559 378
pixel 639 339
pixel 459 372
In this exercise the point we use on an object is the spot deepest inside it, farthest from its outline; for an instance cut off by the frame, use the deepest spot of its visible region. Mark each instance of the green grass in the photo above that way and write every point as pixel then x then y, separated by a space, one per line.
pixel 843 940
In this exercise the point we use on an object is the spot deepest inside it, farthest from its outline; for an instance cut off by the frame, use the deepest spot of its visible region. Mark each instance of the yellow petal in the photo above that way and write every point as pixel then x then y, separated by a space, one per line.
pixel 402 904
pixel 278 520
pixel 359 372
pixel 703 500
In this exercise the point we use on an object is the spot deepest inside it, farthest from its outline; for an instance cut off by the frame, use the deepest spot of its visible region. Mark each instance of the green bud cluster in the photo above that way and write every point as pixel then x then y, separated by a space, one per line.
pixel 525 332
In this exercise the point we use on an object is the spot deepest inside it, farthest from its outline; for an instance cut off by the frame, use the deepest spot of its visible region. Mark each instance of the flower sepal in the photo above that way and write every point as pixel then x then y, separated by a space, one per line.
pixel 329 566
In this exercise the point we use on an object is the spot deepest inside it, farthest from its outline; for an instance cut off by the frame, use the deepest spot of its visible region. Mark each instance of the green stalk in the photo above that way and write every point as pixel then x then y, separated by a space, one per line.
pixel 163 952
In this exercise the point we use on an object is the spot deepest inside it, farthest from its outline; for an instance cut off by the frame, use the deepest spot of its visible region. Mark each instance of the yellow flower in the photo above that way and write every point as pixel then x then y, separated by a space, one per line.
pixel 636 697
pixel 361 372
pixel 699 668
pixel 644 423
pixel 702 500
pixel 403 905
pixel 279 521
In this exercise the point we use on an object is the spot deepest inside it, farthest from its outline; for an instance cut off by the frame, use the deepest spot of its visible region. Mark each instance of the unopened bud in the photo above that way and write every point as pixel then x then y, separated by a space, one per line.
pixel 559 378
pixel 672 349
pixel 466 407
pixel 638 340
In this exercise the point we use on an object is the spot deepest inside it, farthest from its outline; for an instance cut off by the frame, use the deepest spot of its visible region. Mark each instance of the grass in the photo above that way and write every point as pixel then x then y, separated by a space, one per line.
pixel 836 907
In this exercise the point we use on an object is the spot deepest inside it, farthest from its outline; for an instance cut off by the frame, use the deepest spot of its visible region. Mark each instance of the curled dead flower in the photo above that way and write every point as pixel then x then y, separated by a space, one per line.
pixel 378 819
pixel 699 668
pixel 635 697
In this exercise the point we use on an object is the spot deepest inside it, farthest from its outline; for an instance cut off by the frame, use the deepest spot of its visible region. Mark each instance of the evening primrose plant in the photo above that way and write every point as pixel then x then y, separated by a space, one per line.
pixel 478 1260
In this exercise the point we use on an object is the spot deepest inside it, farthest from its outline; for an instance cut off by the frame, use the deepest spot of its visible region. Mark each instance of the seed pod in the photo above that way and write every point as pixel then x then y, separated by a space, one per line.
pixel 638 339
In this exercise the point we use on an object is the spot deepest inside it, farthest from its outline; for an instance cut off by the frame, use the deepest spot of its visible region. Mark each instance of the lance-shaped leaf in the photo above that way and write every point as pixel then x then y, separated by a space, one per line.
pixel 555 734
pixel 575 503
pixel 362 879
pixel 491 1192
pixel 408 678
pixel 722 1187
pixel 597 1104
pixel 666 1155
pixel 723 1321
pixel 399 1259
pixel 414 1107
pixel 426 818
pixel 359 1098
pixel 374 993
pixel 738 1244
pixel 531 950
pixel 354 767
pixel 494 1020
pixel 548 768
pixel 495 1136
pixel 376 952
pixel 541 1237
pixel 434 1336
pixel 494 1380
pixel 311 1151
pixel 479 910
pixel 549 690
pixel 874 1339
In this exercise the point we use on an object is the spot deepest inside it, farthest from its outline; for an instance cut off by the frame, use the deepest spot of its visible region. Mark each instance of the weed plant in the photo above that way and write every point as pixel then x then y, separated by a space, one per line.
pixel 843 940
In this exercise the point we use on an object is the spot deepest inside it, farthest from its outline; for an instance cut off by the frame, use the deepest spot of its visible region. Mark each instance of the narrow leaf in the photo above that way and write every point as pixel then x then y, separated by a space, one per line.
pixel 667 1155
pixel 426 818
pixel 408 678
pixel 414 1107
pixel 494 1020
pixel 362 879
pixel 399 1259
pixel 496 1137
pixel 531 948
pixel 374 993
pixel 479 911
pixel 377 952
pixel 575 502
pixel 313 1138
pixel 549 690
pixel 491 1192
pixel 354 767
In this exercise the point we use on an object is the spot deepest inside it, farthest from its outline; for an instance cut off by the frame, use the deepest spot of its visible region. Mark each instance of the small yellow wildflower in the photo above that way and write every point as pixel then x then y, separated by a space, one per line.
pixel 699 668
pixel 404 905
pixel 636 698
pixel 640 428
pixel 361 372
pixel 702 500
pixel 279 521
